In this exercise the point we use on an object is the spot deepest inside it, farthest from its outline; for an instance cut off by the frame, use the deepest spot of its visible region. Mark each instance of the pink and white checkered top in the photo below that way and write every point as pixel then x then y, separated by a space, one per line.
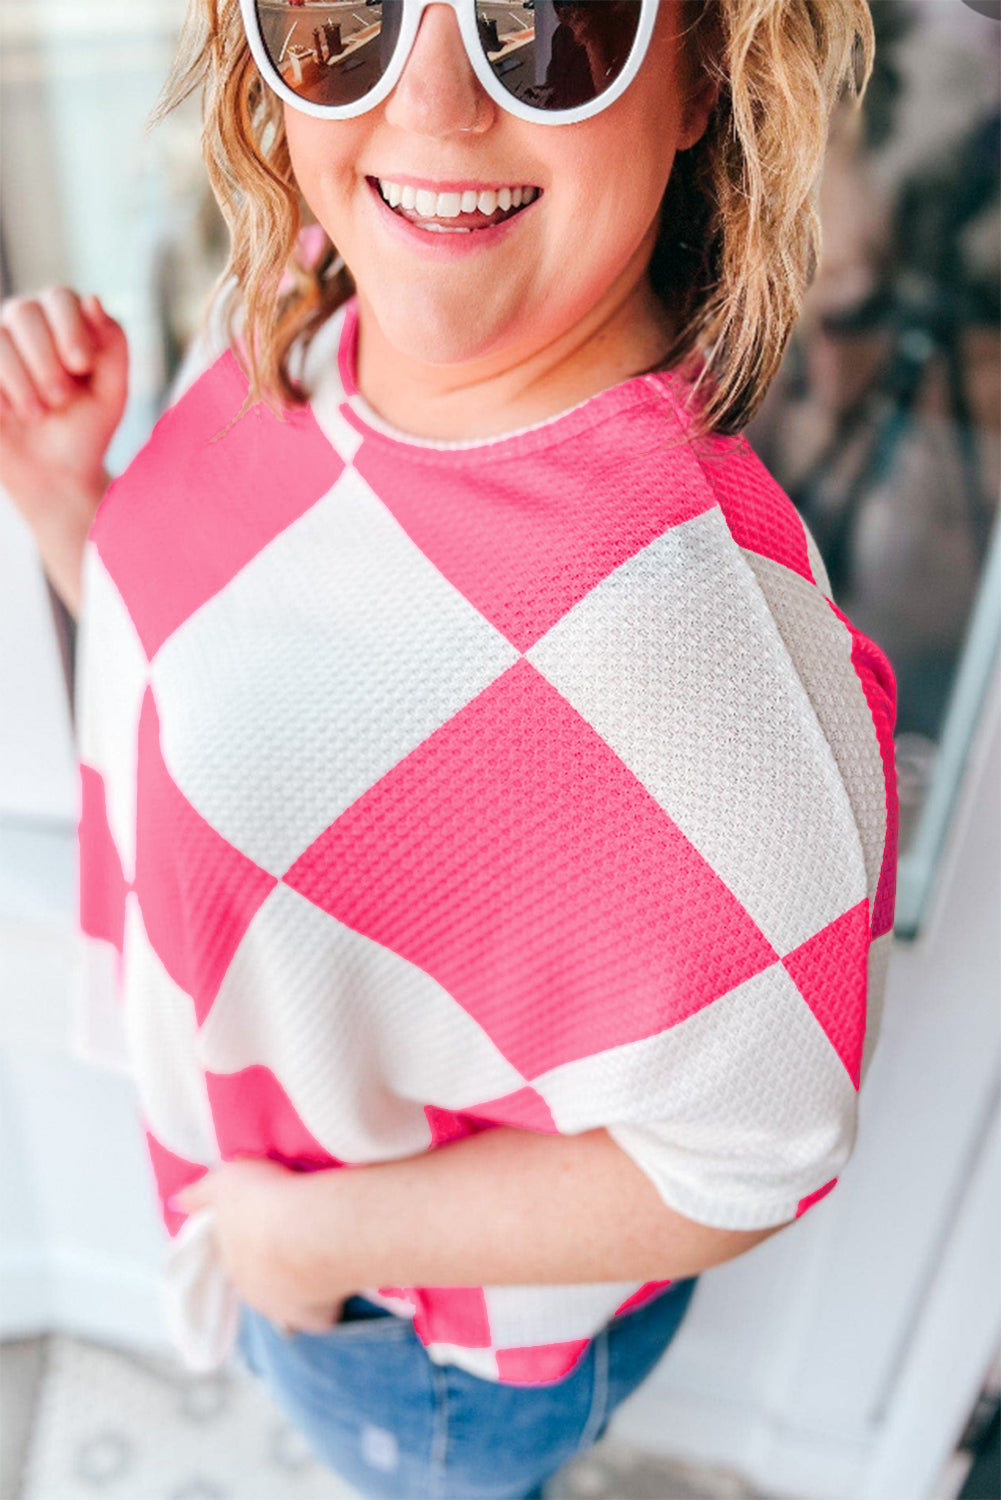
pixel 433 786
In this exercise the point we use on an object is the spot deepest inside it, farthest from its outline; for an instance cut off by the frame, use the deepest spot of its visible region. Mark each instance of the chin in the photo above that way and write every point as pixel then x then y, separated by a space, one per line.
pixel 437 330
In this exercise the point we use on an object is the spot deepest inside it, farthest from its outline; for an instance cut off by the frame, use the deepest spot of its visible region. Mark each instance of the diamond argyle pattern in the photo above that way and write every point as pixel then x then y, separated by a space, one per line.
pixel 425 788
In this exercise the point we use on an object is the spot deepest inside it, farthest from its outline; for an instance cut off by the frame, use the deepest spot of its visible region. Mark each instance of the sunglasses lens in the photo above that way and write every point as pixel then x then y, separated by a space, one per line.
pixel 557 54
pixel 330 54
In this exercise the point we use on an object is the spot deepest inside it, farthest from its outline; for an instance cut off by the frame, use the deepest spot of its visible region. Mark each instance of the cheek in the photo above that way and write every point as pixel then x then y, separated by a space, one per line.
pixel 322 153
pixel 302 157
pixel 604 199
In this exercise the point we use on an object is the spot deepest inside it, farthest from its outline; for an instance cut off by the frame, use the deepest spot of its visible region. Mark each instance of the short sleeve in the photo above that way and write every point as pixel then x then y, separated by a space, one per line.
pixel 750 1115
pixel 755 1114
pixel 744 1113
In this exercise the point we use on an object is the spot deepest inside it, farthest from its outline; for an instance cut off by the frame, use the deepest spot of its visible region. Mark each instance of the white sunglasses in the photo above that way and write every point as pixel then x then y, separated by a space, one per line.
pixel 550 61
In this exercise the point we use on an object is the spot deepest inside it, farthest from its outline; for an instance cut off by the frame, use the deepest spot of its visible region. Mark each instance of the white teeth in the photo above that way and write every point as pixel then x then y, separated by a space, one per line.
pixel 430 205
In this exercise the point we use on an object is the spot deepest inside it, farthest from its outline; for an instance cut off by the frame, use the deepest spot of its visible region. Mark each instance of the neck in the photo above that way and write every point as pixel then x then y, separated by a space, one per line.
pixel 628 331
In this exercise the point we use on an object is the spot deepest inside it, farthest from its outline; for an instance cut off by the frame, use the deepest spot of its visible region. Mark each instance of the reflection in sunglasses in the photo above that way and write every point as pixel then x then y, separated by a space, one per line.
pixel 554 54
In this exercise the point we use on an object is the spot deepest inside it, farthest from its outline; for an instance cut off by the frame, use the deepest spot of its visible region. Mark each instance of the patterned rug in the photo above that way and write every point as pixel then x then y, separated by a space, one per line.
pixel 111 1425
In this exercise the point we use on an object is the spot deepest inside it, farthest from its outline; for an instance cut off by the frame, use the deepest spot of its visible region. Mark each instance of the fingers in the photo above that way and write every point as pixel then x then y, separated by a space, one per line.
pixel 72 331
pixel 102 327
pixel 17 386
pixel 47 346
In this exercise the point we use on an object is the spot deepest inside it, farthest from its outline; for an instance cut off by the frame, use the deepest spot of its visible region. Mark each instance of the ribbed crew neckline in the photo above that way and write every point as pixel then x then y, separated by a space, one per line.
pixel 636 390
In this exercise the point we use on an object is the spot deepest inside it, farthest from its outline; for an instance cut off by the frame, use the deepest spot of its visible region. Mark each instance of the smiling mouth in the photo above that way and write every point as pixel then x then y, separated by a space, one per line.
pixel 460 223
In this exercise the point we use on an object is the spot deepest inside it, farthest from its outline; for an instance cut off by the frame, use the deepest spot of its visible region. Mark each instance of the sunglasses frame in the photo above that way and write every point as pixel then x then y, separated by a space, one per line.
pixel 465 13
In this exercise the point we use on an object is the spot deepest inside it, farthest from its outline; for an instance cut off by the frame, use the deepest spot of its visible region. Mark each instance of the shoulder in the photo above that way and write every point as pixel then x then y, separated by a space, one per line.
pixel 185 429
pixel 204 405
pixel 791 651
pixel 777 545
pixel 759 515
pixel 214 482
pixel 780 548
pixel 843 673
pixel 209 448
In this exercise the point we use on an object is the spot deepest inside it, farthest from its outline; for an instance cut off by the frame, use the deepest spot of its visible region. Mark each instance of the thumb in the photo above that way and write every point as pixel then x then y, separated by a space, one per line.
pixel 110 375
pixel 97 316
pixel 106 329
pixel 95 308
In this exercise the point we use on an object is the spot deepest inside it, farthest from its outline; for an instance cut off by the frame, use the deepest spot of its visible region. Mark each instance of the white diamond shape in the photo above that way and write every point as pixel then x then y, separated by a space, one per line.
pixel 329 657
pixel 676 661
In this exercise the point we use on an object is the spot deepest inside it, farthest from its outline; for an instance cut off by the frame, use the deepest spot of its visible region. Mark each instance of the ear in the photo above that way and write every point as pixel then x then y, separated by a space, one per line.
pixel 700 105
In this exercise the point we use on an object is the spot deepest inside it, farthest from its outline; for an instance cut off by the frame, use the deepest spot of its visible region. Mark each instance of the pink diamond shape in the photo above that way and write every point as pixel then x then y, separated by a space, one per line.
pixel 254 1116
pixel 758 512
pixel 525 1108
pixel 538 1363
pixel 452 1315
pixel 829 970
pixel 196 892
pixel 516 859
pixel 446 1125
pixel 197 502
pixel 501 531
pixel 646 1293
pixel 880 687
pixel 812 1198
pixel 102 884
pixel 171 1173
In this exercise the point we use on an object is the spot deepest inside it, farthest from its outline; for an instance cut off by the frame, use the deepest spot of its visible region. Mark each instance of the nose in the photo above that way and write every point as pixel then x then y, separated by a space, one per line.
pixel 438 93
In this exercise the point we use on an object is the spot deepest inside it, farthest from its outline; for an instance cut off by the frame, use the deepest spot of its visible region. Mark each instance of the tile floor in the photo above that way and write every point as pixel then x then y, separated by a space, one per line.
pixel 81 1421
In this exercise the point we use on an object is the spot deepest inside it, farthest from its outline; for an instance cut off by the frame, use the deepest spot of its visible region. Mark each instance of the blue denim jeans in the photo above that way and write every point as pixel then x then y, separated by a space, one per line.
pixel 378 1411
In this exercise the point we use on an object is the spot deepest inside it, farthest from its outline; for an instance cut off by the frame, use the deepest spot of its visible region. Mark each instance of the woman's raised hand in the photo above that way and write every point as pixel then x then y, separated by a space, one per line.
pixel 63 387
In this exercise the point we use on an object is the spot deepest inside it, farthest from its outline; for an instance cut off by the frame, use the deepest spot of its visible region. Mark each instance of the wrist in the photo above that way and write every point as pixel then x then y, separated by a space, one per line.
pixel 314 1244
pixel 60 532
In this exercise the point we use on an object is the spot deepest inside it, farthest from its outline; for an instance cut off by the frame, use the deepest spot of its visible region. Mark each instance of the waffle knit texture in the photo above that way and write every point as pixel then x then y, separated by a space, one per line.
pixel 428 787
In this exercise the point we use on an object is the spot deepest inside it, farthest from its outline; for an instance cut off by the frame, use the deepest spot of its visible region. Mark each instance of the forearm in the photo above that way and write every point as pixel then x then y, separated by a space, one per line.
pixel 60 536
pixel 504 1207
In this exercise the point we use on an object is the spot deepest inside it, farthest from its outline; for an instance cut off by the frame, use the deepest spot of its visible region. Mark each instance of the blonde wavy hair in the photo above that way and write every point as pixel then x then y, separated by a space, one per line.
pixel 739 241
